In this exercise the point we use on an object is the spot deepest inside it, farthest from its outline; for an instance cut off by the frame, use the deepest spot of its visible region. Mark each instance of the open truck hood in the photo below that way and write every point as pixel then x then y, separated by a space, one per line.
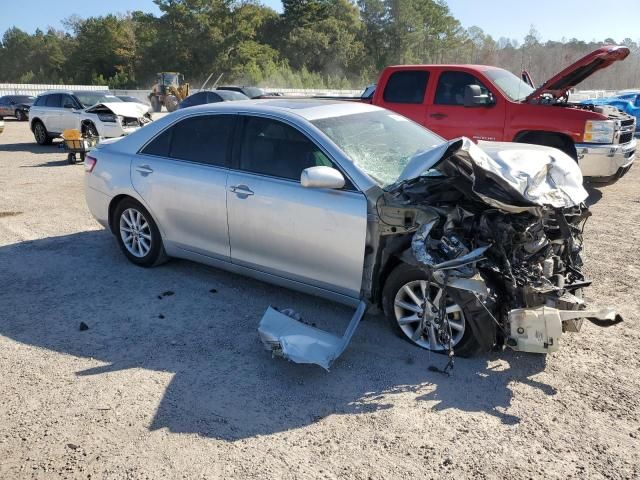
pixel 513 177
pixel 559 84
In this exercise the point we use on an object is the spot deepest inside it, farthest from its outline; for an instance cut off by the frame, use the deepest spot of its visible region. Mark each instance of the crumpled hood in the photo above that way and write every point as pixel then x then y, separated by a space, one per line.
pixel 514 177
pixel 126 109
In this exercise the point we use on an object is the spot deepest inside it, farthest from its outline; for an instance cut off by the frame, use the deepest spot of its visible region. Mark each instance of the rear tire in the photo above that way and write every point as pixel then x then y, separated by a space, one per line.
pixel 40 133
pixel 137 234
pixel 460 304
pixel 156 105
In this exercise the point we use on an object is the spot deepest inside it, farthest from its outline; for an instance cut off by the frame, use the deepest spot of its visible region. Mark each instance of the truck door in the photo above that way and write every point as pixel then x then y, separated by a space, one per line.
pixel 404 93
pixel 449 117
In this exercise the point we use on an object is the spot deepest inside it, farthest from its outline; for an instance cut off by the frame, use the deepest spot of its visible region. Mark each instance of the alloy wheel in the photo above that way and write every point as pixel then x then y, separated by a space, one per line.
pixel 409 309
pixel 135 232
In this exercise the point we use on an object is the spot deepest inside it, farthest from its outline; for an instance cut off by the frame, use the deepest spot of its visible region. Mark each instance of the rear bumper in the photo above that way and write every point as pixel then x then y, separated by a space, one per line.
pixel 605 163
pixel 98 204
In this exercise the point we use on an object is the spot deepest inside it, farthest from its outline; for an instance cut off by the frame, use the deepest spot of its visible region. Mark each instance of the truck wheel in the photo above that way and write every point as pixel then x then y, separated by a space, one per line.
pixel 156 105
pixel 40 133
pixel 171 102
pixel 405 296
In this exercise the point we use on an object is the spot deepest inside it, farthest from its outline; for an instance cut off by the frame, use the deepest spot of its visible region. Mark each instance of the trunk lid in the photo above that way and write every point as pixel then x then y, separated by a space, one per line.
pixel 559 84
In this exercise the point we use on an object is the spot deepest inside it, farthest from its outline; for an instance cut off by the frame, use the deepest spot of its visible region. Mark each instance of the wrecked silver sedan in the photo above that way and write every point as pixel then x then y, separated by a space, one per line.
pixel 464 247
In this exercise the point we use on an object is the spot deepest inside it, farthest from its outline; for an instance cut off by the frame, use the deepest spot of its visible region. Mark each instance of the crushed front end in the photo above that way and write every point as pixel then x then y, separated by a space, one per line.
pixel 500 230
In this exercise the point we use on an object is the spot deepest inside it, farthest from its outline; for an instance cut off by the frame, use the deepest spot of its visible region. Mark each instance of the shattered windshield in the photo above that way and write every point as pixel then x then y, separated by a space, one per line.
pixel 88 99
pixel 381 143
pixel 512 86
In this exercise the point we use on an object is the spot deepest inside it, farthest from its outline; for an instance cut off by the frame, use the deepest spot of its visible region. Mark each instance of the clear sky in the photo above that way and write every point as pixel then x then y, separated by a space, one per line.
pixel 554 19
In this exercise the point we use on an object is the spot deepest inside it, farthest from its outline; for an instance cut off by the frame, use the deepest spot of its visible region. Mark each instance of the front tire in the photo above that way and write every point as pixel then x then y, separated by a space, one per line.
pixel 40 133
pixel 403 302
pixel 171 102
pixel 21 116
pixel 137 234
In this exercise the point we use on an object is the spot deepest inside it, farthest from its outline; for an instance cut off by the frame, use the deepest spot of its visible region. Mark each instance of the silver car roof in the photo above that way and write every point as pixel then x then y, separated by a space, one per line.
pixel 308 108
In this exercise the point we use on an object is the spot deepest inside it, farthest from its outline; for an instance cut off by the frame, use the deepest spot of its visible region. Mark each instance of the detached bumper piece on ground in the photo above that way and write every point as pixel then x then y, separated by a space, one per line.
pixel 288 337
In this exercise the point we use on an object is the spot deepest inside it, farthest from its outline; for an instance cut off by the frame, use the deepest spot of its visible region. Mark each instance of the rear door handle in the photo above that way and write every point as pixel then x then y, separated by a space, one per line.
pixel 242 191
pixel 438 116
pixel 144 169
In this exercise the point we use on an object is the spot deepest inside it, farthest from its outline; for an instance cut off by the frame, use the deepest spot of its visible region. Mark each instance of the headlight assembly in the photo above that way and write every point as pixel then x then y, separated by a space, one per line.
pixel 107 117
pixel 599 131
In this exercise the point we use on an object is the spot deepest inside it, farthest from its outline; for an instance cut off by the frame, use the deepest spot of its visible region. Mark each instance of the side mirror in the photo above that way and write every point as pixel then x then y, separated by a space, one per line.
pixel 473 97
pixel 321 177
pixel 67 105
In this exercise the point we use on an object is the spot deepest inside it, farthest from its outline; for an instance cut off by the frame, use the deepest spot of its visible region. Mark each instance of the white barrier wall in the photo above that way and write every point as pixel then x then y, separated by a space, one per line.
pixel 37 89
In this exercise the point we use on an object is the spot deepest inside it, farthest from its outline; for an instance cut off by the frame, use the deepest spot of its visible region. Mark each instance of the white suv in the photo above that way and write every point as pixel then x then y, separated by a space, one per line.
pixel 94 113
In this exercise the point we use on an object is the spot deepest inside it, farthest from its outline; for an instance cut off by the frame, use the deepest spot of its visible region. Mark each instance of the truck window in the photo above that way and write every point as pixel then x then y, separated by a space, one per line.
pixel 450 89
pixel 406 86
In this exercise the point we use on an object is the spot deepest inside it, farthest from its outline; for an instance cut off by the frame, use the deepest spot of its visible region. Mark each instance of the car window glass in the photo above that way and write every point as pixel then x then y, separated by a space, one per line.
pixel 407 86
pixel 451 85
pixel 270 147
pixel 53 101
pixel 203 139
pixel 3 101
pixel 637 102
pixel 213 97
pixel 160 145
pixel 67 102
pixel 39 101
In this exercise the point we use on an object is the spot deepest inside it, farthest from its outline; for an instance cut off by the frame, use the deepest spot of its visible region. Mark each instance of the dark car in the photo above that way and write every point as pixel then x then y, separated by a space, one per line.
pixel 251 92
pixel 201 98
pixel 16 106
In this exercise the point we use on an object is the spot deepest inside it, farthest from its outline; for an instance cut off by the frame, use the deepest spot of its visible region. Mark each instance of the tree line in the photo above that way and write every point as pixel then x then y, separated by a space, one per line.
pixel 311 44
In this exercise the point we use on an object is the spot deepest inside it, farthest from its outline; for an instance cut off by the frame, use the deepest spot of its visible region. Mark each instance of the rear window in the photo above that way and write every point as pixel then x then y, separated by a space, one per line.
pixel 407 86
pixel 203 139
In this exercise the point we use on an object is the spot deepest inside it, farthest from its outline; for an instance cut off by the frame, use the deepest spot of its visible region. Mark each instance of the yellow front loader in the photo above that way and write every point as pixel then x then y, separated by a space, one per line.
pixel 169 90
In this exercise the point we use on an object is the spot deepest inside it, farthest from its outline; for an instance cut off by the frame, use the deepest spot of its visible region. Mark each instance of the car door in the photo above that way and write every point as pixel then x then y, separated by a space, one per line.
pixel 449 118
pixel 70 114
pixel 4 107
pixel 181 175
pixel 312 235
pixel 404 93
pixel 51 113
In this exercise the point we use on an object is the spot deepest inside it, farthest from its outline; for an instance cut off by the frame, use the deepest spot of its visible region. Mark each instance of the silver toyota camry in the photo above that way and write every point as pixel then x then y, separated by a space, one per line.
pixel 464 246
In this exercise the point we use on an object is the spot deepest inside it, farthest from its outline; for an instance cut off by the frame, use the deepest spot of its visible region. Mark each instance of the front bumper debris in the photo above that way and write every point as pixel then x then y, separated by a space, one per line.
pixel 287 337
pixel 538 330
pixel 605 163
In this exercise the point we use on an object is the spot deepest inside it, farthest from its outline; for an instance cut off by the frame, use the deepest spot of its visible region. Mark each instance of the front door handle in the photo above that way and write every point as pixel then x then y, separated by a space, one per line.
pixel 144 170
pixel 242 191
pixel 438 116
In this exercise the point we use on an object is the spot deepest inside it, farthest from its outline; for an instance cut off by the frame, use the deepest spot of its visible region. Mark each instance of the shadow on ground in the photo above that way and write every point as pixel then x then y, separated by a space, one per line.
pixel 201 325
pixel 595 194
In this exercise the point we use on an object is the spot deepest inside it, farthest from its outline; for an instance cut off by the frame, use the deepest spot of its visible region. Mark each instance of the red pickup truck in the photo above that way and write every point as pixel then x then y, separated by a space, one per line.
pixel 488 103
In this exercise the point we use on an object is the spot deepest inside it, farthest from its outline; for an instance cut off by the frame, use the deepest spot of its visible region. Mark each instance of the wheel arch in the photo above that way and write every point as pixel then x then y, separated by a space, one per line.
pixel 559 140
pixel 33 121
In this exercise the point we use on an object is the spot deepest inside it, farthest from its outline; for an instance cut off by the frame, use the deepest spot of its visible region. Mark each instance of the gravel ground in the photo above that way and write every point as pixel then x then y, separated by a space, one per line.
pixel 171 381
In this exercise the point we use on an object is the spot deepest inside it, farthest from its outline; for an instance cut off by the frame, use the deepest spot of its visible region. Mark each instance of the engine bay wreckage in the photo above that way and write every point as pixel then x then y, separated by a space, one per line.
pixel 496 229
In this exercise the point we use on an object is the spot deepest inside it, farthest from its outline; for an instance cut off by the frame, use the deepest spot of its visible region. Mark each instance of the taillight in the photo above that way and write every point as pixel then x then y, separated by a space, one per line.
pixel 89 163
